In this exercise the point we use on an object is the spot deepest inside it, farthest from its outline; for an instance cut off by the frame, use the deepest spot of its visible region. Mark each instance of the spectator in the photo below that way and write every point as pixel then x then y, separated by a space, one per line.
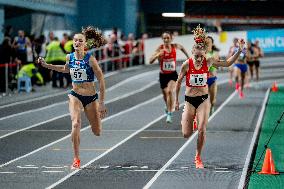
pixel 65 39
pixel 8 32
pixel 111 50
pixel 31 71
pixel 40 51
pixel 6 57
pixel 20 44
pixel 56 55
pixel 50 37
pixel 129 45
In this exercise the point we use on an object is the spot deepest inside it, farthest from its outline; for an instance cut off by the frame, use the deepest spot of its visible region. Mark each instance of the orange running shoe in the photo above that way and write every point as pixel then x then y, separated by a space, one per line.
pixel 237 86
pixel 241 95
pixel 76 164
pixel 198 162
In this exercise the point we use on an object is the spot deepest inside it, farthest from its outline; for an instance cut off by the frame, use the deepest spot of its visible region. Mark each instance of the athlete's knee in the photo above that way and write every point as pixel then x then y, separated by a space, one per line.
pixel 170 93
pixel 202 131
pixel 187 134
pixel 76 124
pixel 186 129
pixel 96 130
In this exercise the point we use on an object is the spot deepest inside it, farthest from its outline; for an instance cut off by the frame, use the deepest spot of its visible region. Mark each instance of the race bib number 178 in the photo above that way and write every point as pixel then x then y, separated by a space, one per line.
pixel 169 66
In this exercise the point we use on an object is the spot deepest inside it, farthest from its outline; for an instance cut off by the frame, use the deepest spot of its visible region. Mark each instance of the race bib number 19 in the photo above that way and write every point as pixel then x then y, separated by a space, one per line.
pixel 198 79
pixel 78 74
pixel 169 66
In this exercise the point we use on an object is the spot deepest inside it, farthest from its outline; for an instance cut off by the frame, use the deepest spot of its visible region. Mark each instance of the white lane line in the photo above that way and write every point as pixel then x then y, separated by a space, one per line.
pixel 33 110
pixel 7 172
pixel 64 115
pixel 123 141
pixel 153 170
pixel 35 125
pixel 27 167
pixel 108 151
pixel 67 136
pixel 44 97
pixel 33 99
pixel 132 78
pixel 107 90
pixel 148 185
pixel 223 171
pixel 253 141
pixel 53 171
pixel 53 167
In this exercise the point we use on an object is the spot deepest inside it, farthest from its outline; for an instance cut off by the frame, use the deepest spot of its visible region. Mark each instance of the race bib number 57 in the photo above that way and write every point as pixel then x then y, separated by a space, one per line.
pixel 198 80
pixel 78 74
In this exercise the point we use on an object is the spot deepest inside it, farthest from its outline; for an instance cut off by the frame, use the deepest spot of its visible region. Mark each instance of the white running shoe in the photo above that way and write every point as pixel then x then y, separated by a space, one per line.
pixel 169 118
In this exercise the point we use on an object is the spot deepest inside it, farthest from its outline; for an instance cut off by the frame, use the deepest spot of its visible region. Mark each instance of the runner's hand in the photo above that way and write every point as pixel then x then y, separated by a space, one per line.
pixel 241 44
pixel 159 54
pixel 40 60
pixel 102 110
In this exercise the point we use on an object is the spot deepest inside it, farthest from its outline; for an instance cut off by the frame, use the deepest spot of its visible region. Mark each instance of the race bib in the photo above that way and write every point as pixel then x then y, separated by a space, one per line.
pixel 78 74
pixel 169 66
pixel 198 80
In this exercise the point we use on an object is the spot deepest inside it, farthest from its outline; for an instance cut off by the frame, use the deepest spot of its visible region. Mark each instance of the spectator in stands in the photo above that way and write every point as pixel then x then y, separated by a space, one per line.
pixel 128 47
pixel 56 55
pixel 40 51
pixel 6 52
pixel 64 39
pixel 112 50
pixel 20 44
pixel 8 32
pixel 50 37
pixel 31 71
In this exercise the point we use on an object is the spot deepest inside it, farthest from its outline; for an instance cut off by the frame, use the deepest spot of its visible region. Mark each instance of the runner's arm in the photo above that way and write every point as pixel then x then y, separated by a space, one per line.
pixel 99 74
pixel 58 68
pixel 180 47
pixel 156 55
pixel 181 75
pixel 230 60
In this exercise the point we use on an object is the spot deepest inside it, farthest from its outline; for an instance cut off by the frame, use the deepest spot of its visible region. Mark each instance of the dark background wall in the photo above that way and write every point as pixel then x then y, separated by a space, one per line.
pixel 108 14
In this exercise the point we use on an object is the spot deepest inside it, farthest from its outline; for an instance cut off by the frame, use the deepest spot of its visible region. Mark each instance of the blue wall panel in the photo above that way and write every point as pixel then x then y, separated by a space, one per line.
pixel 271 41
pixel 108 14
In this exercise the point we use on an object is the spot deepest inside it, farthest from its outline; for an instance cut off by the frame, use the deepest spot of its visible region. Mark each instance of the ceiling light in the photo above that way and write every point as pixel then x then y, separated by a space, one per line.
pixel 173 14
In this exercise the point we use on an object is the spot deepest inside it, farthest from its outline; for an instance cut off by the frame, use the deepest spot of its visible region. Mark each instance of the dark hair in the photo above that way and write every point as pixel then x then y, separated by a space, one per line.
pixel 167 32
pixel 94 37
pixel 214 48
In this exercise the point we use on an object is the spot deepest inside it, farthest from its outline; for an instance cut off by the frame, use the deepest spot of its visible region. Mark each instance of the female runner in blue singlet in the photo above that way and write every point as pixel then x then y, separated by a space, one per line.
pixel 83 69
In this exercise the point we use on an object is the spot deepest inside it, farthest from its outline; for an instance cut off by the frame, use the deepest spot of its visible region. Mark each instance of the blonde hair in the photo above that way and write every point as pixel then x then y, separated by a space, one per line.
pixel 199 38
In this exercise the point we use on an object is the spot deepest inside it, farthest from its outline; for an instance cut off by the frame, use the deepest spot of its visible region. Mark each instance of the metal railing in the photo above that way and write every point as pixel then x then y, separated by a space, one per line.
pixel 115 59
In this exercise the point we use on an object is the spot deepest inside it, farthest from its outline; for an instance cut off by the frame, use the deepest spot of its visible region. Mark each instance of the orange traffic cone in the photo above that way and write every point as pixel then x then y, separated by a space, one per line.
pixel 274 87
pixel 268 164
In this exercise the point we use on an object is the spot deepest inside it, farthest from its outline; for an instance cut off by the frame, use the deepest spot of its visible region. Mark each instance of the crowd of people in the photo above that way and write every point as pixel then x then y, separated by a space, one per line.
pixel 21 52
